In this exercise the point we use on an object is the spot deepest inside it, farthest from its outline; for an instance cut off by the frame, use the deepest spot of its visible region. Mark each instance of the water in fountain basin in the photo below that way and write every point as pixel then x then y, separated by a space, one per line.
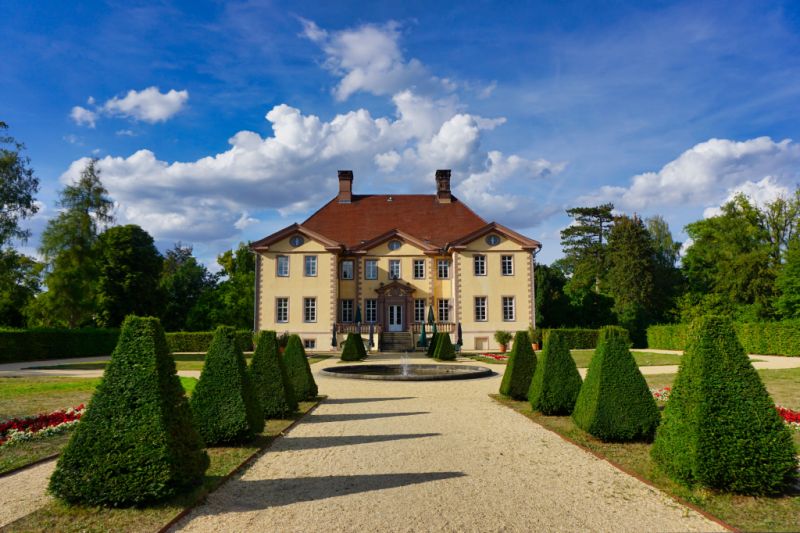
pixel 404 363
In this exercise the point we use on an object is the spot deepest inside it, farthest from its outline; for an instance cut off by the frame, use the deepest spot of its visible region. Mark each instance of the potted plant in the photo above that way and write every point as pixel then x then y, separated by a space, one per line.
pixel 502 338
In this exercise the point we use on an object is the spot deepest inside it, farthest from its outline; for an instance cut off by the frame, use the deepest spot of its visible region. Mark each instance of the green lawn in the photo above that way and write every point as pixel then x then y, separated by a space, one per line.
pixel 56 516
pixel 582 358
pixel 182 362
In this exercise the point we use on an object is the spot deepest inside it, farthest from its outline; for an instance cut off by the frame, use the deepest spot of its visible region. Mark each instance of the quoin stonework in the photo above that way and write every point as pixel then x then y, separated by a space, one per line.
pixel 390 259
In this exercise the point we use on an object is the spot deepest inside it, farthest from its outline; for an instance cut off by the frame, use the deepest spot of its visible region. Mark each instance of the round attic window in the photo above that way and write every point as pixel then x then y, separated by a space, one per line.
pixel 492 240
pixel 297 240
pixel 394 245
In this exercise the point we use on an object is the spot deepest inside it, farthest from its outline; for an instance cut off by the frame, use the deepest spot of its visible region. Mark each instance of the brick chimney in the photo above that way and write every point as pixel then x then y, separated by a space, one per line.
pixel 443 195
pixel 345 186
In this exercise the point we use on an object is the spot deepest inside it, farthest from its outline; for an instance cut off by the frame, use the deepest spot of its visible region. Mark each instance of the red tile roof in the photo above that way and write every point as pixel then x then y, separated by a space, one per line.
pixel 371 215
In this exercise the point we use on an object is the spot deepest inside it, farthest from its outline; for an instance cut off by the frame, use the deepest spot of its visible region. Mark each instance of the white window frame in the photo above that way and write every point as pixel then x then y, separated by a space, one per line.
pixel 419 311
pixel 399 264
pixel 344 270
pixel 310 260
pixel 278 301
pixel 347 306
pixel 370 315
pixel 309 309
pixel 443 264
pixel 367 270
pixel 419 269
pixel 282 259
pixel 481 308
pixel 479 265
pixel 509 263
pixel 310 344
pixel 443 310
pixel 512 315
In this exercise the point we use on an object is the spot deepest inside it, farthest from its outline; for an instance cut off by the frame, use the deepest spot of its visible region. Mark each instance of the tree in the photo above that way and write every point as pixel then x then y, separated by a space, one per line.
pixel 136 443
pixel 444 350
pixel 519 368
pixel 668 281
pixel 231 300
pixel 353 348
pixel 631 275
pixel 584 245
pixel 270 380
pixel 183 281
pixel 68 247
pixel 552 304
pixel 556 381
pixel 298 370
pixel 720 427
pixel 129 268
pixel 788 282
pixel 224 404
pixel 20 281
pixel 18 185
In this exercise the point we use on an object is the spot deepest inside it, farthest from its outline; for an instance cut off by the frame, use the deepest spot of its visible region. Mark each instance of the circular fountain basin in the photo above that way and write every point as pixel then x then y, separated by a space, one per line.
pixel 411 372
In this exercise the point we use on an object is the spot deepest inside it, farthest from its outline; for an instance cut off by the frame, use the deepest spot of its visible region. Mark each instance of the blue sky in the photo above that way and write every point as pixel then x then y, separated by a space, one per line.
pixel 225 121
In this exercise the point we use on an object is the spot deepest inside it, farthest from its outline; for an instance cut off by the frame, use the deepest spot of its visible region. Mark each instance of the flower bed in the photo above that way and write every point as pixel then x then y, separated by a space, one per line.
pixel 661 395
pixel 43 425
pixel 493 356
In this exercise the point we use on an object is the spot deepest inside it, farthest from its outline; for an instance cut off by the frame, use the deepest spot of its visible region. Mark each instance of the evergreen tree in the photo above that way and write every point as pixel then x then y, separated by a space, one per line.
pixel 556 381
pixel 20 282
pixel 614 403
pixel 353 348
pixel 136 443
pixel 298 370
pixel 432 345
pixel 444 350
pixel 788 283
pixel 18 185
pixel 552 303
pixel 584 245
pixel 270 380
pixel 183 282
pixel 68 247
pixel 668 283
pixel 129 267
pixel 519 368
pixel 720 427
pixel 224 404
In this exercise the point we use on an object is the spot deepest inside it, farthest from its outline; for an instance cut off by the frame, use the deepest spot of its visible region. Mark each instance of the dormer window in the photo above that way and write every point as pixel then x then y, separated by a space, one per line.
pixel 296 241
pixel 395 245
pixel 492 240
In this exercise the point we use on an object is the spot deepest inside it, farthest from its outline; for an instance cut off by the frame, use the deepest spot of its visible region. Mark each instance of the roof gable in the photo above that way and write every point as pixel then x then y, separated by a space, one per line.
pixel 279 235
pixel 494 227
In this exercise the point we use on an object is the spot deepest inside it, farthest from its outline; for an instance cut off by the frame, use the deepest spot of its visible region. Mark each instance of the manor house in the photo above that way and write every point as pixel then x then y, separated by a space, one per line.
pixel 391 261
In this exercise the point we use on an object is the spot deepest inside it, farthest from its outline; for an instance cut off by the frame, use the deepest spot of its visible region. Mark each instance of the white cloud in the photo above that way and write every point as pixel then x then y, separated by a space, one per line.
pixel 388 161
pixel 760 193
pixel 83 117
pixel 125 133
pixel 706 173
pixel 73 139
pixel 149 105
pixel 368 58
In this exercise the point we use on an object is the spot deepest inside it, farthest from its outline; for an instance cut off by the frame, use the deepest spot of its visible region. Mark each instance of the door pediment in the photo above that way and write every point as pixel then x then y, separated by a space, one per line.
pixel 395 288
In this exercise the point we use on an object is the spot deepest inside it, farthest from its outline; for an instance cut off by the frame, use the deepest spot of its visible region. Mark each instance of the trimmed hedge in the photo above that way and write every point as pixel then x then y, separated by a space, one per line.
pixel 575 338
pixel 519 368
pixel 432 345
pixel 199 341
pixel 444 350
pixel 556 381
pixel 353 348
pixel 720 427
pixel 270 381
pixel 136 443
pixel 224 404
pixel 298 370
pixel 18 345
pixel 764 338
pixel 615 403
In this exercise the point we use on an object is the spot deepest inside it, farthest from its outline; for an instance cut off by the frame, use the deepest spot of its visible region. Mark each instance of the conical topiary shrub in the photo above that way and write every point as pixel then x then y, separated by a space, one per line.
pixel 353 348
pixel 720 427
pixel 136 443
pixel 298 370
pixel 432 345
pixel 519 368
pixel 444 350
pixel 615 403
pixel 556 381
pixel 224 405
pixel 269 379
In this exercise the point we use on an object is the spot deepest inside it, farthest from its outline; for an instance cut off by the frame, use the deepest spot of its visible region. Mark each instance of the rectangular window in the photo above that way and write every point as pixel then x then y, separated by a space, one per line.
pixel 419 269
pixel 443 268
pixel 309 309
pixel 480 308
pixel 479 265
pixel 509 309
pixel 281 309
pixel 347 269
pixel 283 266
pixel 394 269
pixel 419 310
pixel 345 310
pixel 507 265
pixel 371 269
pixel 444 310
pixel 371 311
pixel 310 344
pixel 310 266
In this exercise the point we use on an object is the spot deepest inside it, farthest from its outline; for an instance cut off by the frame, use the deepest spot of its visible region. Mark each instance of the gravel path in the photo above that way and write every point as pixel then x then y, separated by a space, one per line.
pixel 24 491
pixel 393 456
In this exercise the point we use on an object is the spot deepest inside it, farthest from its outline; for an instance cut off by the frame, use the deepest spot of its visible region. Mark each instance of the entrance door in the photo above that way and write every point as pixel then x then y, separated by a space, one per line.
pixel 395 318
